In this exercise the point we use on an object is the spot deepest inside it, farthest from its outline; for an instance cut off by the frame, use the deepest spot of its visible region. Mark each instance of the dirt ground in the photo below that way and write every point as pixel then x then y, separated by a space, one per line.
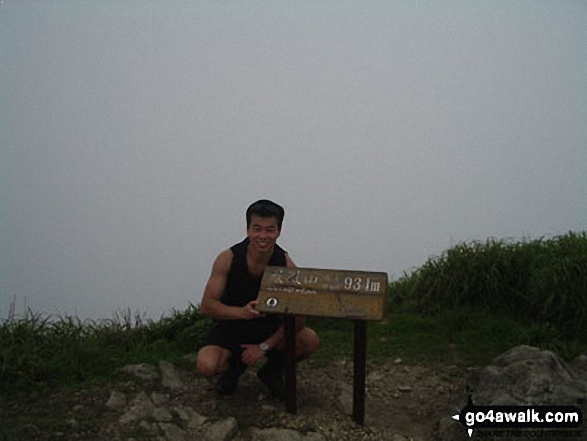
pixel 401 401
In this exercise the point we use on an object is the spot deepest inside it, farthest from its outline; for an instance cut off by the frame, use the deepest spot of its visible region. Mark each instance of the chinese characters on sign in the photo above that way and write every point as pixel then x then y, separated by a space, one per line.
pixel 327 293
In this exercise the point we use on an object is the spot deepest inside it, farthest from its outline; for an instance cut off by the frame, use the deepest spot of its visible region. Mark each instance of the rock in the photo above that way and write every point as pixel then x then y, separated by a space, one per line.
pixel 375 377
pixel 170 377
pixel 526 375
pixel 173 432
pixel 313 436
pixel 117 400
pixel 189 416
pixel 73 423
pixel 275 434
pixel 451 430
pixel 161 414
pixel 142 371
pixel 223 430
pixel 159 399
pixel 345 399
pixel 149 428
pixel 141 407
pixel 191 358
pixel 284 435
pixel 404 388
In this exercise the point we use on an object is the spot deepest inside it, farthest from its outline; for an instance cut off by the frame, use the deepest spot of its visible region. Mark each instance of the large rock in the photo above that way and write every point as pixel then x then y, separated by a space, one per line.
pixel 169 376
pixel 526 375
pixel 275 434
pixel 223 430
pixel 523 376
pixel 173 432
pixel 141 407
pixel 142 371
pixel 117 400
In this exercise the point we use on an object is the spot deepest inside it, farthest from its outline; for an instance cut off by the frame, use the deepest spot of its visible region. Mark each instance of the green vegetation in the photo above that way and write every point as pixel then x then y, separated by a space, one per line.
pixel 544 281
pixel 464 307
pixel 37 353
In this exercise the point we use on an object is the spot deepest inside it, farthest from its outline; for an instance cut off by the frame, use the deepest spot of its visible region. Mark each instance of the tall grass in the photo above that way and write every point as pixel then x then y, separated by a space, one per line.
pixel 44 352
pixel 542 280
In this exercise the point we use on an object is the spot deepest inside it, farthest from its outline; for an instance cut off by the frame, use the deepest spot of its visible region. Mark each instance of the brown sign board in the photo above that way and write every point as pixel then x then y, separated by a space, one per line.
pixel 357 295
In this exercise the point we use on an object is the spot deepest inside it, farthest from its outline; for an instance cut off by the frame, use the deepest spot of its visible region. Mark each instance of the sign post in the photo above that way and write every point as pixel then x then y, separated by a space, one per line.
pixel 355 295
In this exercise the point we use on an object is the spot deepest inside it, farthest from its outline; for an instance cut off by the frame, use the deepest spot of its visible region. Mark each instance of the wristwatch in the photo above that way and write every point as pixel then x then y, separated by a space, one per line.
pixel 264 346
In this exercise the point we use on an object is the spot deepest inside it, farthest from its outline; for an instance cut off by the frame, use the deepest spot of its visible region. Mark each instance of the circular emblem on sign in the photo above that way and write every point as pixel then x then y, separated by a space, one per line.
pixel 272 302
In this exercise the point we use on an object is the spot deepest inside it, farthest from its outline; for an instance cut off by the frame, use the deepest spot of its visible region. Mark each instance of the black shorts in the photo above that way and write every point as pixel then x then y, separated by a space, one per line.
pixel 231 334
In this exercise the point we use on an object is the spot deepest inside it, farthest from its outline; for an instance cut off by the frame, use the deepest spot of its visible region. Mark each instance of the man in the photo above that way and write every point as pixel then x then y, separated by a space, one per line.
pixel 240 335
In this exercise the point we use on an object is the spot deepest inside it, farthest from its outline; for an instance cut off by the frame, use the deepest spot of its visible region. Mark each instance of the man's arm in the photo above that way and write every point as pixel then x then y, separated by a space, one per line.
pixel 211 305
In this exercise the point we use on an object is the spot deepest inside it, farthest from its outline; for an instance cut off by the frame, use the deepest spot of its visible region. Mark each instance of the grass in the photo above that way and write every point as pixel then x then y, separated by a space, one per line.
pixel 543 280
pixel 39 353
pixel 465 307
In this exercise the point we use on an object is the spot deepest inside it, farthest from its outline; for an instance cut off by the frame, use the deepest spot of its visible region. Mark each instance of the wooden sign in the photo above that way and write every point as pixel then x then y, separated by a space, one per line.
pixel 356 295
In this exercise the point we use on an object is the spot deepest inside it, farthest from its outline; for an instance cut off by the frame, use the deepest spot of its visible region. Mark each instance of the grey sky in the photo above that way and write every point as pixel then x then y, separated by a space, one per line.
pixel 133 135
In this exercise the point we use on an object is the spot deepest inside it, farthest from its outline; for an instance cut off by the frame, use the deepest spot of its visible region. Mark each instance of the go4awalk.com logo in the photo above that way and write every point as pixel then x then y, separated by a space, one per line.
pixel 533 421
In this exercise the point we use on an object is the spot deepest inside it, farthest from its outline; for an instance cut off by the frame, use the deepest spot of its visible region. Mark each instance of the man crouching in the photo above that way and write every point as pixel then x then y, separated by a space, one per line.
pixel 240 335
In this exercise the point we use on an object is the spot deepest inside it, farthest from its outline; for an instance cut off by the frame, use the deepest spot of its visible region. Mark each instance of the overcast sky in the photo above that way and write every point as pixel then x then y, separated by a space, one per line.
pixel 133 136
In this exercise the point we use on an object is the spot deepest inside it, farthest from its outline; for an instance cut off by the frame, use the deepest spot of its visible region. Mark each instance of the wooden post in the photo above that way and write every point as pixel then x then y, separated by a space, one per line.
pixel 351 295
pixel 359 371
pixel 291 404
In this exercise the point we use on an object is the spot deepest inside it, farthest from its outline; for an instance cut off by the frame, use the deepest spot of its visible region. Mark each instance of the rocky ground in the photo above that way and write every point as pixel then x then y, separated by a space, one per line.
pixel 169 403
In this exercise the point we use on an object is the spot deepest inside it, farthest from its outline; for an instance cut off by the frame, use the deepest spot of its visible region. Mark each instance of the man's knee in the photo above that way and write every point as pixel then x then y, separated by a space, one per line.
pixel 309 342
pixel 206 367
pixel 210 361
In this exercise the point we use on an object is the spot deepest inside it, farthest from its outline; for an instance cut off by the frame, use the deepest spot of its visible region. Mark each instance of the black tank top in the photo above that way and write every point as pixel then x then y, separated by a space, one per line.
pixel 241 286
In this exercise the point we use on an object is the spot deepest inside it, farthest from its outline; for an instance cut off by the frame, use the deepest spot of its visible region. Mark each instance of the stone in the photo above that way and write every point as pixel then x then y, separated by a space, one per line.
pixel 525 375
pixel 404 388
pixel 159 399
pixel 345 399
pixel 375 377
pixel 451 430
pixel 117 400
pixel 141 407
pixel 276 434
pixel 149 428
pixel 313 436
pixel 223 430
pixel 189 416
pixel 170 376
pixel 142 371
pixel 173 432
pixel 161 414
pixel 191 358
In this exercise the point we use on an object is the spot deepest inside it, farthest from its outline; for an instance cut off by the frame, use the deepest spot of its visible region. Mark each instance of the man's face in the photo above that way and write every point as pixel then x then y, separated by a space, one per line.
pixel 263 232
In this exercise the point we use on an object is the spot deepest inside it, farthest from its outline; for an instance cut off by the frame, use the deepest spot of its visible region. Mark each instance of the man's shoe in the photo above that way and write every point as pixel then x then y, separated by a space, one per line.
pixel 273 381
pixel 227 381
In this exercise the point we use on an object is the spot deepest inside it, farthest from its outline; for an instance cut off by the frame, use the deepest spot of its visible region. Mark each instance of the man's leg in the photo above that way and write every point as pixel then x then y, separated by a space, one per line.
pixel 271 373
pixel 307 342
pixel 213 360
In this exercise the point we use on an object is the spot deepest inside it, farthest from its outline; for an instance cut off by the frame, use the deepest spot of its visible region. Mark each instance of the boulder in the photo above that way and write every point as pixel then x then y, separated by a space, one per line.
pixel 223 430
pixel 142 371
pixel 525 375
pixel 169 376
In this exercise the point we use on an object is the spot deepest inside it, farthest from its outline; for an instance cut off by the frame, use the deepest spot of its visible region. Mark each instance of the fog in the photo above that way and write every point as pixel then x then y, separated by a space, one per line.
pixel 133 136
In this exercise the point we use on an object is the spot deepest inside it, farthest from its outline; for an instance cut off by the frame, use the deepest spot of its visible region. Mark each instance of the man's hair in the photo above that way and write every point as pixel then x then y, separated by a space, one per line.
pixel 266 208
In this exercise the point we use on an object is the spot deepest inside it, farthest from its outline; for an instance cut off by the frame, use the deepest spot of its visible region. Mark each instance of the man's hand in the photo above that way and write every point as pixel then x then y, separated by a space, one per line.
pixel 249 312
pixel 251 354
